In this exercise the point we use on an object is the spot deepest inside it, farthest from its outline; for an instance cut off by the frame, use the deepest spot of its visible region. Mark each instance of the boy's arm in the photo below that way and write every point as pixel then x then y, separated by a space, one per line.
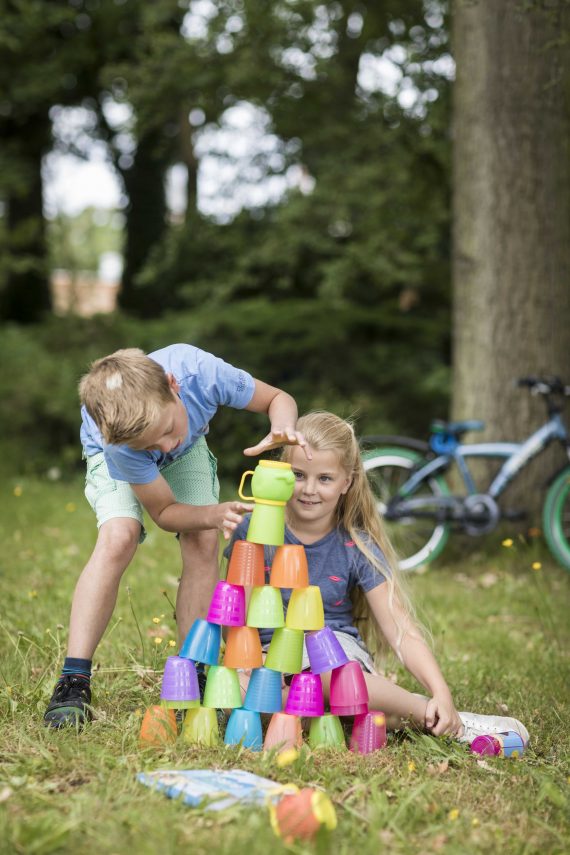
pixel 170 515
pixel 415 655
pixel 282 411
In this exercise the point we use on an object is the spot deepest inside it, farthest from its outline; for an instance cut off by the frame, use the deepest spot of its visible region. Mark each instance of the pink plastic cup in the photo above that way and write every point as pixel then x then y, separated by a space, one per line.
pixel 486 745
pixel 368 732
pixel 348 688
pixel 305 696
pixel 227 607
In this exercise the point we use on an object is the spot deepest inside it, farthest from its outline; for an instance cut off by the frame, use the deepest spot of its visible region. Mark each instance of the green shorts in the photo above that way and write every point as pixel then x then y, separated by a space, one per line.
pixel 192 478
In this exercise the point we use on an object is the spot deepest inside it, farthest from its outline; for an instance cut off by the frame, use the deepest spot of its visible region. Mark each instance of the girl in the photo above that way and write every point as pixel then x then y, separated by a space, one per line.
pixel 332 513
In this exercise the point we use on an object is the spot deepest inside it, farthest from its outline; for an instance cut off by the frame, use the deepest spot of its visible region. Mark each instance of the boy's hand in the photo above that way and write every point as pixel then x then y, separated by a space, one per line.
pixel 228 515
pixel 277 438
pixel 442 717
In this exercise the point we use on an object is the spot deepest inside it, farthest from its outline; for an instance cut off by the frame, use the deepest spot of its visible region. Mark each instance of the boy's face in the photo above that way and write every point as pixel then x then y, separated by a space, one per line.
pixel 170 429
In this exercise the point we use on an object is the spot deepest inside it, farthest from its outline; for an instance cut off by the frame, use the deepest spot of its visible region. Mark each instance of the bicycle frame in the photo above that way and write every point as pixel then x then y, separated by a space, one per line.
pixel 516 455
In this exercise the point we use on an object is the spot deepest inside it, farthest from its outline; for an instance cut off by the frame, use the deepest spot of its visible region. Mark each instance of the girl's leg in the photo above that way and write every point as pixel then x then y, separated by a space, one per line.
pixel 400 706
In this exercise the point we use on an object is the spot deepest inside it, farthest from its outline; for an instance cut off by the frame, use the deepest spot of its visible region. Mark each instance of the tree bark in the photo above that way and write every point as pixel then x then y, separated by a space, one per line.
pixel 511 209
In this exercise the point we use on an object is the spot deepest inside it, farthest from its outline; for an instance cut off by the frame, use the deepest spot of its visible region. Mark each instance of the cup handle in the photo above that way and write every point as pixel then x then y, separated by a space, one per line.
pixel 240 488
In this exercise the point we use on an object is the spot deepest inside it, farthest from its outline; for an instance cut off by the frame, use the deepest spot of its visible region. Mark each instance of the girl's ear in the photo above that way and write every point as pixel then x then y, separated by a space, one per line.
pixel 347 485
pixel 173 383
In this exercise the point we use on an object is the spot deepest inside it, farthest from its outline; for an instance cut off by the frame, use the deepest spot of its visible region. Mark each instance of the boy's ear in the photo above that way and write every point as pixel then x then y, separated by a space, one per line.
pixel 173 383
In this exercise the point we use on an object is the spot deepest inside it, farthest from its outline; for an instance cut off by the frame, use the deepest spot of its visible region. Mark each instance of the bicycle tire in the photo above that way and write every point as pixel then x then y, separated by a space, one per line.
pixel 556 518
pixel 422 544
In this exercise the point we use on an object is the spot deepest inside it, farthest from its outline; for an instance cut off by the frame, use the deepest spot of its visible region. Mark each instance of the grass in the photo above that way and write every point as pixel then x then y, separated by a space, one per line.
pixel 501 632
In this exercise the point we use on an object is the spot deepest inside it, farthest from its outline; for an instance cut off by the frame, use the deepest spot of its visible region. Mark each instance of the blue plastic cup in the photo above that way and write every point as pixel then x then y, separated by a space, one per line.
pixel 244 728
pixel 264 691
pixel 202 644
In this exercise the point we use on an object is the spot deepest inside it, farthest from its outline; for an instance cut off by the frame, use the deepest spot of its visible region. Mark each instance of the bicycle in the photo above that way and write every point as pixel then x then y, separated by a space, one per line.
pixel 420 511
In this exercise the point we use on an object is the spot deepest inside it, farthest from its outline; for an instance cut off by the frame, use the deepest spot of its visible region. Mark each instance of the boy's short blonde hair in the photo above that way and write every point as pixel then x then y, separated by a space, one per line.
pixel 124 394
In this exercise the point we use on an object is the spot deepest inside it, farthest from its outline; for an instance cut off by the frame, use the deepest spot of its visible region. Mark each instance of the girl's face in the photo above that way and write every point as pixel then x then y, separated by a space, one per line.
pixel 319 484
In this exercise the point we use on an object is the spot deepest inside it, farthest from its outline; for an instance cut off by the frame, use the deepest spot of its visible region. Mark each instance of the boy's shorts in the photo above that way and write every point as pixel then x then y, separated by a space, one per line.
pixel 192 478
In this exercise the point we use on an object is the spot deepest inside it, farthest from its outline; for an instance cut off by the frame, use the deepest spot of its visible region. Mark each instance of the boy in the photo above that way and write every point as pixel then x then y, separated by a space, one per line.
pixel 144 420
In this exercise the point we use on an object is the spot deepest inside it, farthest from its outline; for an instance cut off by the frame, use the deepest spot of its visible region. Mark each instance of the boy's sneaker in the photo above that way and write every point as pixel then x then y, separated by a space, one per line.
pixel 481 725
pixel 70 702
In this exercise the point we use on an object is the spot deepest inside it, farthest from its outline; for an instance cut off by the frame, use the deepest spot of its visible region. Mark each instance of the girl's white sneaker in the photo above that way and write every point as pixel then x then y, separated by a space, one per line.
pixel 475 724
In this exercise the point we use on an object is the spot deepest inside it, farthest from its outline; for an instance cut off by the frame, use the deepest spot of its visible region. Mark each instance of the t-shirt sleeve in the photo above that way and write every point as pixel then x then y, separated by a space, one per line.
pixel 222 383
pixel 125 464
pixel 366 576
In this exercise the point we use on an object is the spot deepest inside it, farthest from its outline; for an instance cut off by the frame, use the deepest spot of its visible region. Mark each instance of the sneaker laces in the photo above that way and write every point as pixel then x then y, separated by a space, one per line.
pixel 70 685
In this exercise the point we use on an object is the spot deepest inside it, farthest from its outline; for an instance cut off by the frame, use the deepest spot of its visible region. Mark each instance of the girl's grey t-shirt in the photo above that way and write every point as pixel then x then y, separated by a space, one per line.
pixel 336 565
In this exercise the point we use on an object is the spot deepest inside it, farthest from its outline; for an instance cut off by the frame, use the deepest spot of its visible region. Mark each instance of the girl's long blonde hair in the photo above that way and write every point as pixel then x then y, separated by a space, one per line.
pixel 357 513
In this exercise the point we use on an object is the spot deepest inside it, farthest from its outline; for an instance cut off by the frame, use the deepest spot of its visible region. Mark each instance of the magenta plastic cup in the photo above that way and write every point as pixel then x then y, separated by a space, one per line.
pixel 180 684
pixel 348 688
pixel 264 691
pixel 486 745
pixel 351 710
pixel 324 650
pixel 244 728
pixel 227 606
pixel 368 732
pixel 202 644
pixel 305 696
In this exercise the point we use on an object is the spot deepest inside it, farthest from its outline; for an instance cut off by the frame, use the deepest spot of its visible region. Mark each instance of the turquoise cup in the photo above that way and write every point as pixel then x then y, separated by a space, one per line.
pixel 244 728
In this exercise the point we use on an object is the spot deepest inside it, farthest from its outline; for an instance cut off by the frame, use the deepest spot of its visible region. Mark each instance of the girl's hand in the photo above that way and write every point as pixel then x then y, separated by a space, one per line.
pixel 228 515
pixel 276 438
pixel 442 718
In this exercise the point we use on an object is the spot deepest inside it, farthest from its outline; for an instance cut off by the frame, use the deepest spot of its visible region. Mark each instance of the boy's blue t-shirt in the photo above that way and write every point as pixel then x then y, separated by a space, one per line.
pixel 336 565
pixel 206 383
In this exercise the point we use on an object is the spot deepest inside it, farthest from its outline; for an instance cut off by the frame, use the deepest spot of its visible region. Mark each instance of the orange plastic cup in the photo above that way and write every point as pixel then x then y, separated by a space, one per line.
pixel 289 568
pixel 243 647
pixel 300 815
pixel 284 732
pixel 158 727
pixel 247 564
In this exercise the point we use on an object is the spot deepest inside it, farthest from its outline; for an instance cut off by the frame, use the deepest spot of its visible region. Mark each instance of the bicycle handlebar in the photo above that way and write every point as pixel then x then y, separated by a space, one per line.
pixel 544 385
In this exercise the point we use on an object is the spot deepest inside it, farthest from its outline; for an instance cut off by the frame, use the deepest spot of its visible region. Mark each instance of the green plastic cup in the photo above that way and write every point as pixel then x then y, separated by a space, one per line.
pixel 265 608
pixel 286 651
pixel 201 727
pixel 222 688
pixel 326 732
pixel 305 609
pixel 267 525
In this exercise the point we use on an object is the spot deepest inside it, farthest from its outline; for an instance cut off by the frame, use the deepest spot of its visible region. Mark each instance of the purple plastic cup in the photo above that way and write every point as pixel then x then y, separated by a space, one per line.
pixel 348 687
pixel 324 650
pixel 264 691
pixel 368 732
pixel 305 696
pixel 227 607
pixel 180 681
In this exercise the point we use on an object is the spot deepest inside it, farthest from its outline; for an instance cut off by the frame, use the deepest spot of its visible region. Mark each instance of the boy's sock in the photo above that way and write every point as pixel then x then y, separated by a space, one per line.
pixel 73 665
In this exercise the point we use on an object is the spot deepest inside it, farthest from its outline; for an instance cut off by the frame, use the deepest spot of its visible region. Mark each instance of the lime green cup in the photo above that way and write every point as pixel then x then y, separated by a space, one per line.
pixel 265 608
pixel 201 727
pixel 272 483
pixel 326 732
pixel 286 651
pixel 305 609
pixel 222 688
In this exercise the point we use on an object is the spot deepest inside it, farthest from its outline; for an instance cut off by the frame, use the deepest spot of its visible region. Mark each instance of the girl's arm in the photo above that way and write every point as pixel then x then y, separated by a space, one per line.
pixel 406 641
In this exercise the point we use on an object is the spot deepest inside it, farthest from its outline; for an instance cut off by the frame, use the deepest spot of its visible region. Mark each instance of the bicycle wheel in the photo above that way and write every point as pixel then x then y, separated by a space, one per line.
pixel 556 518
pixel 416 541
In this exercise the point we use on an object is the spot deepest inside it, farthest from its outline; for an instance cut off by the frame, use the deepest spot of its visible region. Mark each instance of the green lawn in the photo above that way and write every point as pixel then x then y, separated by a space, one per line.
pixel 501 633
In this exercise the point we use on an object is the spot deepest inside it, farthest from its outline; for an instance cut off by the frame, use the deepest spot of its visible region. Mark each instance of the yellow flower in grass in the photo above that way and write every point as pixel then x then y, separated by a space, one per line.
pixel 507 542
pixel 474 822
pixel 18 490
pixel 156 620
pixel 285 758
pixel 70 507
pixel 453 814
pixel 172 643
pixel 537 565
pixel 411 766
pixel 32 594
pixel 157 639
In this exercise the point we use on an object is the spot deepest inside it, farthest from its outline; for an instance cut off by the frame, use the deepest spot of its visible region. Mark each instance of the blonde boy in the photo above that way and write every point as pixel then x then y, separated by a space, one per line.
pixel 144 422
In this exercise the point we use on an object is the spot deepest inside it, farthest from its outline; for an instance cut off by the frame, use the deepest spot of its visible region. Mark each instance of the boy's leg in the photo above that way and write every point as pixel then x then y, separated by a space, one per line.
pixel 200 573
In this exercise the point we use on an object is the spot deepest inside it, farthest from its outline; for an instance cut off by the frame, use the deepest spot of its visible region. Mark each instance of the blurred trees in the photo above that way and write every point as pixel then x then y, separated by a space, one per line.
pixel 339 292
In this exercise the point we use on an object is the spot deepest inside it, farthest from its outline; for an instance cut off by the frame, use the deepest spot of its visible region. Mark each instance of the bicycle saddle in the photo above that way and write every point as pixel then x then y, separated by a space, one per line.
pixel 455 429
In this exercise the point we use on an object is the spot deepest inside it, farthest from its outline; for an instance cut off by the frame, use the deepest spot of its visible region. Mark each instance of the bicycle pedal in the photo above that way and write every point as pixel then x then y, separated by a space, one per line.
pixel 513 515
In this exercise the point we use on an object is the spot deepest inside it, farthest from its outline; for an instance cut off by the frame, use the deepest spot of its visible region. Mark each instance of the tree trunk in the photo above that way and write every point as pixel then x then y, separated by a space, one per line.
pixel 511 258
